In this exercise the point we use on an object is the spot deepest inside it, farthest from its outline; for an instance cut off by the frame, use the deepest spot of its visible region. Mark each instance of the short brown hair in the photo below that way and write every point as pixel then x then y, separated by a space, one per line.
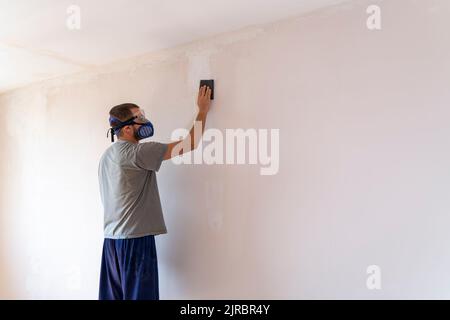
pixel 122 112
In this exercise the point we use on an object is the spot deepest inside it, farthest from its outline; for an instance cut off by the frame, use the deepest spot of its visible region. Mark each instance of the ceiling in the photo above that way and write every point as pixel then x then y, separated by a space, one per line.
pixel 36 44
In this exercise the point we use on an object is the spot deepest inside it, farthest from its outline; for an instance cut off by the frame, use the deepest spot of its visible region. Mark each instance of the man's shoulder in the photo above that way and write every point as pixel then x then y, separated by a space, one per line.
pixel 120 153
pixel 113 151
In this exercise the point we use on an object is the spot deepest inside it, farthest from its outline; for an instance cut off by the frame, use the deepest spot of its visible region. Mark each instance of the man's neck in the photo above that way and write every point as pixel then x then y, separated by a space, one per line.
pixel 129 140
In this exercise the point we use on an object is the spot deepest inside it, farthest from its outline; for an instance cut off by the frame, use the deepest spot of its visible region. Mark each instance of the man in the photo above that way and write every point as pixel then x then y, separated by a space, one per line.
pixel 130 197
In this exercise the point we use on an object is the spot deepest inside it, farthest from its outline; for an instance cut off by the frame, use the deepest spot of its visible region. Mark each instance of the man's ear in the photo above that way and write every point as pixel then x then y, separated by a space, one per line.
pixel 125 130
pixel 130 128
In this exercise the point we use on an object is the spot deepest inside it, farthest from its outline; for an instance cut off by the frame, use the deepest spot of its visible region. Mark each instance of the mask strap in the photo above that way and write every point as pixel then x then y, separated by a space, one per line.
pixel 112 134
pixel 119 126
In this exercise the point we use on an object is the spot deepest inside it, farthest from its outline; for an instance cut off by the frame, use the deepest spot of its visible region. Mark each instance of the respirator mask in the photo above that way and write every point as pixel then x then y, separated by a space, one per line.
pixel 145 130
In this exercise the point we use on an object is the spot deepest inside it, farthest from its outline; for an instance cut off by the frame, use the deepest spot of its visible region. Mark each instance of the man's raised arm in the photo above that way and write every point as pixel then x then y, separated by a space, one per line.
pixel 192 140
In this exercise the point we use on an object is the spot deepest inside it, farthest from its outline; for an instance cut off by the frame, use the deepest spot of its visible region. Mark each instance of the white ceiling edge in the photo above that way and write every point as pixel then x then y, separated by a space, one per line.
pixel 210 43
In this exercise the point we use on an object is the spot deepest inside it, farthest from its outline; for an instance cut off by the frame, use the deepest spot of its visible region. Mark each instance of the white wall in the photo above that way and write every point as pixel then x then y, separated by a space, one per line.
pixel 364 163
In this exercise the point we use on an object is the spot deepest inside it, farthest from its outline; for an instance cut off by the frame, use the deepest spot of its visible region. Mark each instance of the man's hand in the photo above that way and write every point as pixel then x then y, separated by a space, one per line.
pixel 204 99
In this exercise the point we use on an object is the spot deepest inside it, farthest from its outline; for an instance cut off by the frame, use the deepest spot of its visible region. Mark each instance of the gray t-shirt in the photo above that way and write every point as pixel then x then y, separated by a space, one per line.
pixel 129 191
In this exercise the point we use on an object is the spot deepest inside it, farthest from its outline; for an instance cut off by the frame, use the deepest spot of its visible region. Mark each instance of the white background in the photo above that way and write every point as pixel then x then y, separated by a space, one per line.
pixel 364 163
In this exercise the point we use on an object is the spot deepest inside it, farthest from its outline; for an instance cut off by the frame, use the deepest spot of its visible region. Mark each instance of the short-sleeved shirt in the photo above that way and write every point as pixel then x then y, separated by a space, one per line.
pixel 129 190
